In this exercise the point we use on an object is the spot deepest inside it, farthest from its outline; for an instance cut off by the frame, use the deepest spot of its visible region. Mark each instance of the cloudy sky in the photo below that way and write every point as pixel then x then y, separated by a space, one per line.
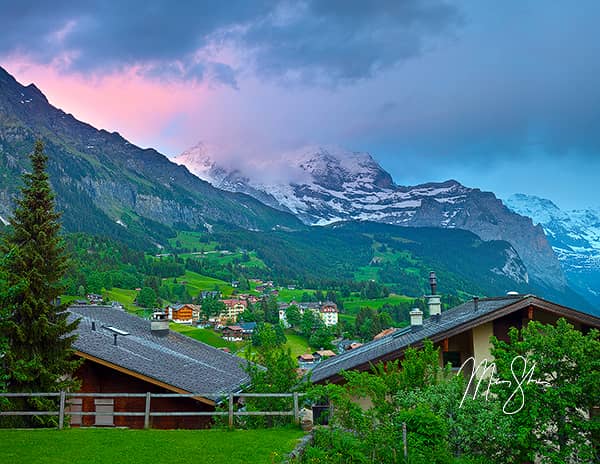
pixel 504 96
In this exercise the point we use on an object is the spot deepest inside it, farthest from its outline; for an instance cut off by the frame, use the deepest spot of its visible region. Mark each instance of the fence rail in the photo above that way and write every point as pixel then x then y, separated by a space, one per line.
pixel 148 413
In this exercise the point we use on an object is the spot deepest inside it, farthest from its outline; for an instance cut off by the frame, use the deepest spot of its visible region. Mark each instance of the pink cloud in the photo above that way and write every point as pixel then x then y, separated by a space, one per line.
pixel 146 111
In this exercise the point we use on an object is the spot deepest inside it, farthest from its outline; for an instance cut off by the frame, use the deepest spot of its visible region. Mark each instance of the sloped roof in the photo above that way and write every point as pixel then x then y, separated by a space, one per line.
pixel 174 359
pixel 460 317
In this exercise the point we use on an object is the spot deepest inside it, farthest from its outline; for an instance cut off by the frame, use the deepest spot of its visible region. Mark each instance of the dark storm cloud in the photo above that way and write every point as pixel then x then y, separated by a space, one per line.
pixel 345 40
pixel 341 39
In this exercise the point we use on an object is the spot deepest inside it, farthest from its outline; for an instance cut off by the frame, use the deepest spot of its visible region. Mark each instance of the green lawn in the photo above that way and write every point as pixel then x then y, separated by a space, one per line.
pixel 122 446
pixel 297 344
pixel 208 336
pixel 196 283
pixel 126 298
pixel 354 303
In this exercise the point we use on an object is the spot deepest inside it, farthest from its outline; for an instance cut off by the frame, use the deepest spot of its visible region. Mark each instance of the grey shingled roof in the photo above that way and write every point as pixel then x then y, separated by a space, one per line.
pixel 404 338
pixel 174 359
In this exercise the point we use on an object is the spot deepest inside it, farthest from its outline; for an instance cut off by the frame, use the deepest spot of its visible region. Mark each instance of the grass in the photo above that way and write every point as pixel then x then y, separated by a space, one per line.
pixel 354 303
pixel 207 336
pixel 297 343
pixel 126 298
pixel 196 283
pixel 95 446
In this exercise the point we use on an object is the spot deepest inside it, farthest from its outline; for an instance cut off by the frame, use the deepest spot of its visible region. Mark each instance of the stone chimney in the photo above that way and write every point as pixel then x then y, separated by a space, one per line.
pixel 416 319
pixel 475 303
pixel 159 324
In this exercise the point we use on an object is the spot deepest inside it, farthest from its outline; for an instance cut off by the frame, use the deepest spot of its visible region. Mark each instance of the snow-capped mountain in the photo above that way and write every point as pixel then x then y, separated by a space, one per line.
pixel 322 185
pixel 574 236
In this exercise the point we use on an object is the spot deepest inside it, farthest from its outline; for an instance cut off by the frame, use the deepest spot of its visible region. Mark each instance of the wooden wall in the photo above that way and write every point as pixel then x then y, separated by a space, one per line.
pixel 97 378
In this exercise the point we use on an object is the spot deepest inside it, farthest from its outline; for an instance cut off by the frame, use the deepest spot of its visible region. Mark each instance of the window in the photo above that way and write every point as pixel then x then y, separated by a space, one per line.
pixel 452 357
pixel 106 406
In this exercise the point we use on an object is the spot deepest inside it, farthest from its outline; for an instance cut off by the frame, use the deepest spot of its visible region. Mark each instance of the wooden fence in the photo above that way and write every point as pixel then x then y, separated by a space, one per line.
pixel 148 413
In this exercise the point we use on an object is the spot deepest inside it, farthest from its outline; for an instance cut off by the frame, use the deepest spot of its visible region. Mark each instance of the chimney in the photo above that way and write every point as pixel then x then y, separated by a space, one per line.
pixel 475 303
pixel 433 282
pixel 94 325
pixel 416 319
pixel 159 324
pixel 434 301
pixel 115 342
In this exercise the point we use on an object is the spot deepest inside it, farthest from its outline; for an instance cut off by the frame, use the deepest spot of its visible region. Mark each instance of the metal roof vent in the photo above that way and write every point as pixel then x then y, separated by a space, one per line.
pixel 116 332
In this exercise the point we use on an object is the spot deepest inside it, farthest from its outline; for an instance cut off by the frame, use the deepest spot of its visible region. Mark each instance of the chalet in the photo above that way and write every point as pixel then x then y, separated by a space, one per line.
pixel 183 313
pixel 232 333
pixel 461 332
pixel 123 353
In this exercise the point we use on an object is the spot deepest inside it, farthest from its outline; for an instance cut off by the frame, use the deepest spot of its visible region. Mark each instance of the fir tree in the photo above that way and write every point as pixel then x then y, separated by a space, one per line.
pixel 40 357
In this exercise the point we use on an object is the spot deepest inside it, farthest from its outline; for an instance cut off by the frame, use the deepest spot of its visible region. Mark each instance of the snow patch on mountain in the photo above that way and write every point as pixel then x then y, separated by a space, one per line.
pixel 322 185
pixel 574 236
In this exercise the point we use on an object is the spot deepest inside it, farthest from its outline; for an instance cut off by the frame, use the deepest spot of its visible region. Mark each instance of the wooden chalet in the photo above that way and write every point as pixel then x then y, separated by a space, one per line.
pixel 123 353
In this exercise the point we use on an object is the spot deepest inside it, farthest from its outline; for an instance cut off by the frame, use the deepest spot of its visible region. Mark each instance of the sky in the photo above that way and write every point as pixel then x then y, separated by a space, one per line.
pixel 502 96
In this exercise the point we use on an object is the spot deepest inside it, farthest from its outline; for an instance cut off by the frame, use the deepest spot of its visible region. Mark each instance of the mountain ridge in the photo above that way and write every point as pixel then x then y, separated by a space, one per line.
pixel 330 184
pixel 574 236
pixel 127 191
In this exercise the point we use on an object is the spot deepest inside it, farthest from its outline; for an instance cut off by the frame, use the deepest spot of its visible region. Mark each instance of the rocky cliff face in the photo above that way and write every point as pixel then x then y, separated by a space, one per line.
pixel 329 185
pixel 104 184
pixel 575 237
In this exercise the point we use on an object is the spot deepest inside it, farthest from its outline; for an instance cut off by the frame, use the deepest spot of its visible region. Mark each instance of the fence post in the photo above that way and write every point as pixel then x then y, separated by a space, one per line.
pixel 61 410
pixel 231 410
pixel 404 440
pixel 147 411
pixel 296 410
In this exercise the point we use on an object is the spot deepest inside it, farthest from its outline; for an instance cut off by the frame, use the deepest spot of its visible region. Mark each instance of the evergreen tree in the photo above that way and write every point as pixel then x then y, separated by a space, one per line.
pixel 39 357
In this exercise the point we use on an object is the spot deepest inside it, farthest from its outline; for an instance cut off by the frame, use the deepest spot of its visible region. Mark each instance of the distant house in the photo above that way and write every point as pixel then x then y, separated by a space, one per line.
pixel 306 361
pixel 123 353
pixel 260 288
pixel 324 354
pixel 210 294
pixel 461 332
pixel 183 313
pixel 233 308
pixel 232 333
pixel 235 283
pixel 328 311
pixel 385 333
pixel 94 298
pixel 345 345
pixel 248 328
